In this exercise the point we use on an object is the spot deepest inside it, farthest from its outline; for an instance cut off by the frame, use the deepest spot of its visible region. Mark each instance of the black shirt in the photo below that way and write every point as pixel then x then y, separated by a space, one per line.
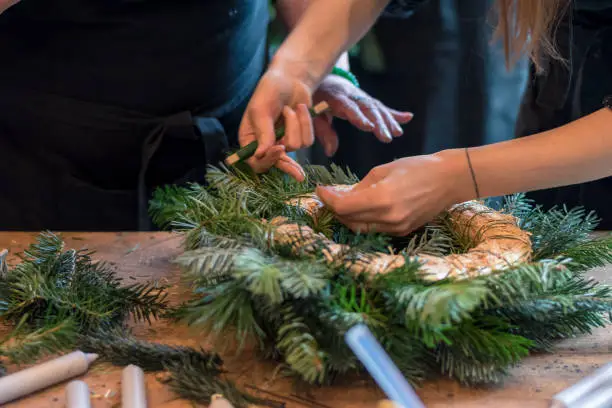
pixel 153 56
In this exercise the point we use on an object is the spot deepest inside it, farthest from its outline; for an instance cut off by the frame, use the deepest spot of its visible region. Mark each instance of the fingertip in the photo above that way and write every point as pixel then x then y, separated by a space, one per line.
pixel 323 193
pixel 384 135
pixel 262 149
pixel 361 121
pixel 331 148
pixel 397 130
pixel 403 117
pixel 329 197
pixel 293 171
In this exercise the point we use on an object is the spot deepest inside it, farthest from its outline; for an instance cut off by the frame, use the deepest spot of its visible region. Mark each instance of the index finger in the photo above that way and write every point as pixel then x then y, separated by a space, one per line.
pixel 262 123
pixel 349 203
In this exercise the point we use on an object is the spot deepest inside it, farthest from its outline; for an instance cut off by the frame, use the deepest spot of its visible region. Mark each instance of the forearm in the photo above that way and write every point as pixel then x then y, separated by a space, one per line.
pixel 575 153
pixel 291 11
pixel 5 4
pixel 322 33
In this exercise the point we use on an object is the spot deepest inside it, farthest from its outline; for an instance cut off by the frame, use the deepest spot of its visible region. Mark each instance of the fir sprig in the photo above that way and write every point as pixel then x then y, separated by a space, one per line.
pixel 195 374
pixel 223 312
pixel 23 345
pixel 119 347
pixel 189 380
pixel 590 254
pixel 52 283
pixel 300 348
pixel 56 294
pixel 480 351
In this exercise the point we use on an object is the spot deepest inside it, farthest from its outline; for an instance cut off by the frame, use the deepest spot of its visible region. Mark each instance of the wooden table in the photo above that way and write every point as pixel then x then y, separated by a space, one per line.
pixel 147 256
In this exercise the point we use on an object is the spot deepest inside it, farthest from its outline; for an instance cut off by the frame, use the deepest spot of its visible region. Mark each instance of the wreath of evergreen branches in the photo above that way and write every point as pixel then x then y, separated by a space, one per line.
pixel 298 308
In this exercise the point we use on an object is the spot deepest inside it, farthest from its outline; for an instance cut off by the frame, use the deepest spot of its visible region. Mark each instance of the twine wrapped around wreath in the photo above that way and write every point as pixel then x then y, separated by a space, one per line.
pixel 498 243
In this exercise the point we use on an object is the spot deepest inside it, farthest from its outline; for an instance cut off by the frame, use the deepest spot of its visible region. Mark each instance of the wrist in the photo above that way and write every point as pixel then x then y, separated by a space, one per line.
pixel 302 70
pixel 460 184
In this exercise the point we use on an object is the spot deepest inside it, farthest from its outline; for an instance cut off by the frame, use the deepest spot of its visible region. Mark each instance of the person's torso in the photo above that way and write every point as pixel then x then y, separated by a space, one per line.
pixel 149 55
pixel 570 89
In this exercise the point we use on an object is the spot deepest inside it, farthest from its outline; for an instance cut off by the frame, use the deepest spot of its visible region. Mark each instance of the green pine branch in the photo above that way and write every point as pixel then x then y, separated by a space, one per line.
pixel 229 307
pixel 590 254
pixel 190 380
pixel 481 351
pixel 119 347
pixel 300 348
pixel 54 295
pixel 276 280
pixel 24 345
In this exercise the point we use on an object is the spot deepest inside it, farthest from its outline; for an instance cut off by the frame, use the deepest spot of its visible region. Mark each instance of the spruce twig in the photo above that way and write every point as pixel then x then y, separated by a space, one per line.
pixel 120 348
pixel 22 345
pixel 189 379
pixel 56 295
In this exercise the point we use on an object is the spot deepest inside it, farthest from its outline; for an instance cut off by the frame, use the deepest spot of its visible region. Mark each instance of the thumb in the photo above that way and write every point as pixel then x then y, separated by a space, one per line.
pixel 345 202
pixel 373 177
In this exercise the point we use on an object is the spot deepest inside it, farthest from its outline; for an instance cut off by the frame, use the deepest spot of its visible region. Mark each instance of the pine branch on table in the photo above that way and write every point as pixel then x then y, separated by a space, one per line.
pixel 119 347
pixel 56 294
pixel 189 380
pixel 23 345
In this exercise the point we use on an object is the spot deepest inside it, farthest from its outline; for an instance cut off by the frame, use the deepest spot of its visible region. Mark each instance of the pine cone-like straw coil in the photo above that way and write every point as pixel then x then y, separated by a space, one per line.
pixel 498 243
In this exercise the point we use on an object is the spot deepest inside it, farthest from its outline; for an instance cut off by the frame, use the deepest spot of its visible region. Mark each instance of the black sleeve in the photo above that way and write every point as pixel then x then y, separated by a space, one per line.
pixel 402 8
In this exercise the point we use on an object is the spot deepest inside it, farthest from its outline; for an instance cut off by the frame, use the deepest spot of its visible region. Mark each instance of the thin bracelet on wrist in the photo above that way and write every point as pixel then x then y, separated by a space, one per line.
pixel 607 102
pixel 476 189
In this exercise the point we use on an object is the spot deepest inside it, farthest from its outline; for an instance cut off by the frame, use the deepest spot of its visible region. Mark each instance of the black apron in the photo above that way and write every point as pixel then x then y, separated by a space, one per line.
pixel 568 92
pixel 105 103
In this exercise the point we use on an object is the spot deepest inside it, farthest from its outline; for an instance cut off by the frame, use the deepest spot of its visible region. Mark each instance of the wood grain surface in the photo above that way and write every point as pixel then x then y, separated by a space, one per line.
pixel 148 256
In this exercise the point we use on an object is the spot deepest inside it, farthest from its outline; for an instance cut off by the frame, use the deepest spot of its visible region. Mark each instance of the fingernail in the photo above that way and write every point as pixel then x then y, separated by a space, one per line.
pixel 387 135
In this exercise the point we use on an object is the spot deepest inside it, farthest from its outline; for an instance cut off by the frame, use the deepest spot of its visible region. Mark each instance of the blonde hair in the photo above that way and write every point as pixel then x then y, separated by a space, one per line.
pixel 527 27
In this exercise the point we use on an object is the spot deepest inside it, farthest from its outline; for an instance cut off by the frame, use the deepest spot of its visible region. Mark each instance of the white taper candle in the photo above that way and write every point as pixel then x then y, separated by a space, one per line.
pixel 77 395
pixel 133 388
pixel 218 401
pixel 39 377
pixel 572 397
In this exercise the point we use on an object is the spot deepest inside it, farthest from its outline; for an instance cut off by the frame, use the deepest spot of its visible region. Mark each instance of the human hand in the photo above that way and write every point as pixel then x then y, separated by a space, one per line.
pixel 280 96
pixel 348 102
pixel 277 95
pixel 5 4
pixel 401 196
